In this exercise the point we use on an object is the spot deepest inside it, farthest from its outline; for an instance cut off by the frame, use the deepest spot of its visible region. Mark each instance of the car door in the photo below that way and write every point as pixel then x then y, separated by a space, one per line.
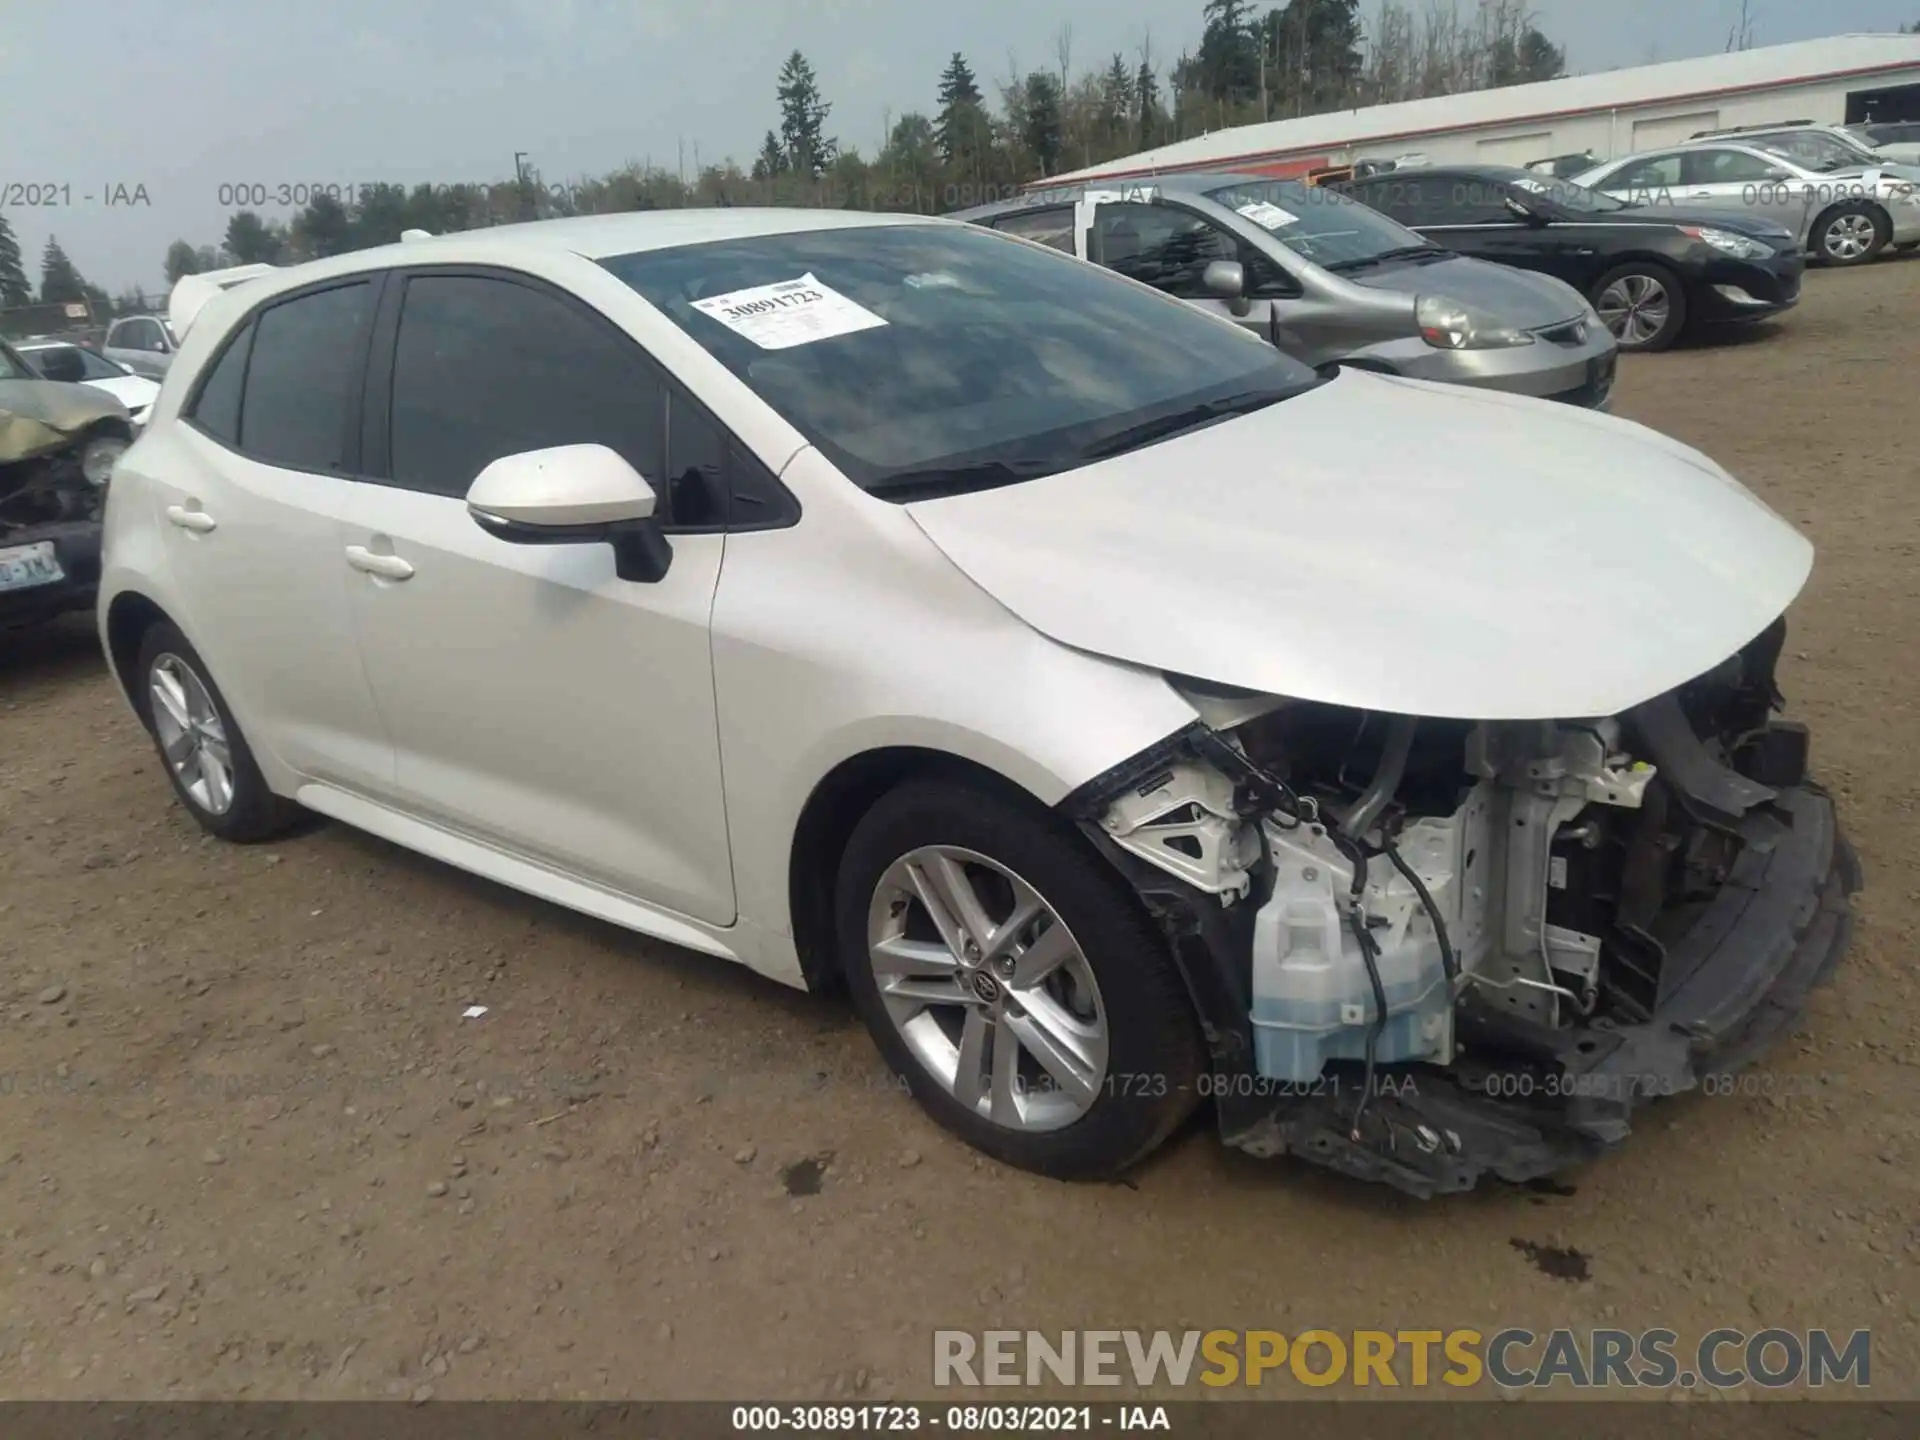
pixel 1740 183
pixel 536 701
pixel 1169 246
pixel 247 509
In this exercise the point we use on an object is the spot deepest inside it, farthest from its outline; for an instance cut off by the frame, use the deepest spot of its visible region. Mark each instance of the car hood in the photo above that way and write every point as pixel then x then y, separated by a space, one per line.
pixel 136 392
pixel 37 416
pixel 1398 546
pixel 1518 297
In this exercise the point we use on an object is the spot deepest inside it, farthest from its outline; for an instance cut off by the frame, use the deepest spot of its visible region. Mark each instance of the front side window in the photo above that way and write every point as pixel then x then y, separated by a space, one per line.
pixel 485 368
pixel 1465 200
pixel 1052 226
pixel 1729 167
pixel 303 380
pixel 72 363
pixel 13 367
pixel 927 358
pixel 1162 246
pixel 1656 172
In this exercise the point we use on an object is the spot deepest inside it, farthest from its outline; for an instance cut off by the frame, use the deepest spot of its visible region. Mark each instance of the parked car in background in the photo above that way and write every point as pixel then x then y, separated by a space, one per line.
pixel 1822 149
pixel 1846 216
pixel 1649 271
pixel 142 343
pixel 76 365
pixel 1897 140
pixel 58 446
pixel 1327 280
pixel 1562 167
pixel 1123 712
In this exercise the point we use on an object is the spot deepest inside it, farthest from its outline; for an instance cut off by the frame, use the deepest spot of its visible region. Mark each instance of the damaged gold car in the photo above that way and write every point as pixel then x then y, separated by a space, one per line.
pixel 58 446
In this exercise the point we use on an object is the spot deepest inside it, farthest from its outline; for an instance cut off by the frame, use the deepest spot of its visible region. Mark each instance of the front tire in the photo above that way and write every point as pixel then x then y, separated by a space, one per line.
pixel 1015 982
pixel 1851 234
pixel 1643 304
pixel 206 758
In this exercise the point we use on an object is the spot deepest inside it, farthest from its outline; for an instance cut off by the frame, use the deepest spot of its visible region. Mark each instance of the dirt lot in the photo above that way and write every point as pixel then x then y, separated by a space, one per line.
pixel 250 1147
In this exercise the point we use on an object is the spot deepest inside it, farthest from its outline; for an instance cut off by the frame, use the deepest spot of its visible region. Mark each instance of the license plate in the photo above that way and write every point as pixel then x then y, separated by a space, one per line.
pixel 24 566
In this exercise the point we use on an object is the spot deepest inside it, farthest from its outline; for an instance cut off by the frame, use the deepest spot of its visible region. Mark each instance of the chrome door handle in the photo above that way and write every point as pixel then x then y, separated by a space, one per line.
pixel 388 567
pixel 197 521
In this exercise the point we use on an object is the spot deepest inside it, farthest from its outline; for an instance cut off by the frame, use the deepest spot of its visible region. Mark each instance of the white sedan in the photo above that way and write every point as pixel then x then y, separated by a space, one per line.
pixel 77 365
pixel 1127 715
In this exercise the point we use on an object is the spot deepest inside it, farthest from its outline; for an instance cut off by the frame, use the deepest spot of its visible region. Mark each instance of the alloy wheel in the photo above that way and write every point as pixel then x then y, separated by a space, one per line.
pixel 1850 236
pixel 988 988
pixel 1636 309
pixel 192 739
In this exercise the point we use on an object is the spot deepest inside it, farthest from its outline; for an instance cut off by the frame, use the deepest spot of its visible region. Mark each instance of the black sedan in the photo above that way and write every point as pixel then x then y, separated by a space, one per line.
pixel 1648 270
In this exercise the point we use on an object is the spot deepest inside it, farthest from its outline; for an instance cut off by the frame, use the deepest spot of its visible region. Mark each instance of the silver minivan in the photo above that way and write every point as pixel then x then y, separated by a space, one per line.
pixel 1327 279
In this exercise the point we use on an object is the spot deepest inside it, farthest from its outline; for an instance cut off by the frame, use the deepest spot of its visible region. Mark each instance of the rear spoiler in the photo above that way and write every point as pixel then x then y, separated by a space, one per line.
pixel 192 292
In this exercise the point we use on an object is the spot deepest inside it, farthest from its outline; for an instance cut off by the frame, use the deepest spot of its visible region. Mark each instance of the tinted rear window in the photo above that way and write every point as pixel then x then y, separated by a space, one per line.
pixel 216 410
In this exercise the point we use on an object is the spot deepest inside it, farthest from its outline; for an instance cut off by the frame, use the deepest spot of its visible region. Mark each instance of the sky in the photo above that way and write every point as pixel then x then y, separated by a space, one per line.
pixel 114 98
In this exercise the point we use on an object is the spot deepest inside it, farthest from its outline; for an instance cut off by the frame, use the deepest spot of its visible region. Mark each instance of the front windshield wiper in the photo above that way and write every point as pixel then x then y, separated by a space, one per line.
pixel 1191 418
pixel 936 480
pixel 1399 252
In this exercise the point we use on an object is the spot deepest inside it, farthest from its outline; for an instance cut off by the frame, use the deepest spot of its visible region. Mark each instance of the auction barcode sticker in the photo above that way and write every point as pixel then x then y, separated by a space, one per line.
pixel 792 312
pixel 1269 217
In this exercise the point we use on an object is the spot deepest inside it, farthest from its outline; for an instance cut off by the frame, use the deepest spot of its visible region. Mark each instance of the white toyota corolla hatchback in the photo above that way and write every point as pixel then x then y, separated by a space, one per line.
pixel 1127 715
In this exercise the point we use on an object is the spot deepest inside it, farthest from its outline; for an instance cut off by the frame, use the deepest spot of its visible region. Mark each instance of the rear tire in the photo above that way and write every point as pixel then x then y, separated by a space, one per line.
pixel 1085 979
pixel 205 757
pixel 1851 234
pixel 1643 304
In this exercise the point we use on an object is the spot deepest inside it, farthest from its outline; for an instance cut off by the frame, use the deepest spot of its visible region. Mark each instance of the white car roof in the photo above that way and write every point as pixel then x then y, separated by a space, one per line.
pixel 593 237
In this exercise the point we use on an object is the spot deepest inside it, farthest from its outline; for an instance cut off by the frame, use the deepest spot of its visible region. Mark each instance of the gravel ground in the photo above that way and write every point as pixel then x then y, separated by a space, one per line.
pixel 250 1147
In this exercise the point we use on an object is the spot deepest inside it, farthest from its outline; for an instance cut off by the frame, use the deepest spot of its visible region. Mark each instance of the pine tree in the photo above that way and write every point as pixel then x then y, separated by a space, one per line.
pixel 771 160
pixel 1040 130
pixel 1147 114
pixel 182 259
pixel 59 280
pixel 1229 58
pixel 803 117
pixel 14 288
pixel 957 125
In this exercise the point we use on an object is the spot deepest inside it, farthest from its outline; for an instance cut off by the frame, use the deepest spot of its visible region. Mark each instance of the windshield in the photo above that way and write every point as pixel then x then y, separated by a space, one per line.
pixel 1821 149
pixel 1317 224
pixel 72 362
pixel 931 358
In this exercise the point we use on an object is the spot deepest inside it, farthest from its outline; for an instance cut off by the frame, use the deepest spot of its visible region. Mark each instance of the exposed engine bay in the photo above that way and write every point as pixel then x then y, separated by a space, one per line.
pixel 1425 950
pixel 58 446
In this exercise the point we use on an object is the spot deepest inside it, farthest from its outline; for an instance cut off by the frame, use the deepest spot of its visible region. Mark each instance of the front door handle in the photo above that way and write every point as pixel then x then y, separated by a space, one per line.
pixel 388 567
pixel 197 521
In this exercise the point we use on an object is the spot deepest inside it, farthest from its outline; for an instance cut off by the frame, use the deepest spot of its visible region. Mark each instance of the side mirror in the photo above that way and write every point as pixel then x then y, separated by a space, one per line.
pixel 573 495
pixel 1224 279
pixel 1525 211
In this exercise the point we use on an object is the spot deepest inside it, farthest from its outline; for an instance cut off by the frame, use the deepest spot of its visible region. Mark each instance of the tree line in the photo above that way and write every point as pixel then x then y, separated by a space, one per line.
pixel 983 138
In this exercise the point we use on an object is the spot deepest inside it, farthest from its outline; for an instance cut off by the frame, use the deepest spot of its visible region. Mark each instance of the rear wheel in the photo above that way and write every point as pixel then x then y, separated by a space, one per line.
pixel 201 748
pixel 1643 304
pixel 1013 979
pixel 1851 234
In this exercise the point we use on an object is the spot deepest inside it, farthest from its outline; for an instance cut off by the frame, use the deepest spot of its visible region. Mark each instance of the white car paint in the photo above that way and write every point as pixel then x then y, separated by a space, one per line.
pixel 644 751
pixel 191 293
pixel 1429 536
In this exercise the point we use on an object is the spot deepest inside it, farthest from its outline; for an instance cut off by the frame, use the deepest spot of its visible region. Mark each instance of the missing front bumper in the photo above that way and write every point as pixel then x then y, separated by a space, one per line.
pixel 1525 1102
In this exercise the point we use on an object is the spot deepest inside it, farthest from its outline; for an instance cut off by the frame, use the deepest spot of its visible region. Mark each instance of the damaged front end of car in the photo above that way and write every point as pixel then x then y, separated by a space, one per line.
pixel 1425 951
pixel 58 446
